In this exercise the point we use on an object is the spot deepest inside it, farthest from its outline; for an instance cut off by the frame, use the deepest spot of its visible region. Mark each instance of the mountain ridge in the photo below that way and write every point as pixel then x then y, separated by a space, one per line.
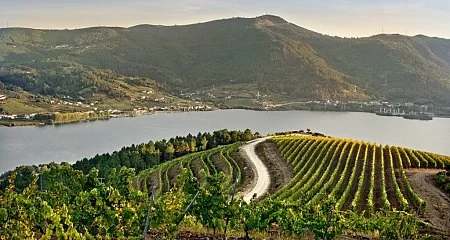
pixel 241 57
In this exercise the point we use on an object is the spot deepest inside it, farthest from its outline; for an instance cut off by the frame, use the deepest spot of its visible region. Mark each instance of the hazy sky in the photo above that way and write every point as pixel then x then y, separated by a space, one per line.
pixel 333 17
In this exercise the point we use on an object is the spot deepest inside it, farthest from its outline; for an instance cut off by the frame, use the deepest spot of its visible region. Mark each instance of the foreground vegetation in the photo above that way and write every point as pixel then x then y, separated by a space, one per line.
pixel 354 188
pixel 71 205
pixel 442 180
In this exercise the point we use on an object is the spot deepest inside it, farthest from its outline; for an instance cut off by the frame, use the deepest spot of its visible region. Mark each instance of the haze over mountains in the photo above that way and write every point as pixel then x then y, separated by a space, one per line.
pixel 264 54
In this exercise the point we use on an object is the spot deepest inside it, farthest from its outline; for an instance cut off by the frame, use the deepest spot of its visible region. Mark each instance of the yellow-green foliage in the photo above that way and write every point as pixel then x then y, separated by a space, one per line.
pixel 336 168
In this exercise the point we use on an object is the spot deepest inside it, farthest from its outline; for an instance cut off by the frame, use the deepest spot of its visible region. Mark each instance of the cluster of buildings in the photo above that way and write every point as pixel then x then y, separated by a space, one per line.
pixel 18 117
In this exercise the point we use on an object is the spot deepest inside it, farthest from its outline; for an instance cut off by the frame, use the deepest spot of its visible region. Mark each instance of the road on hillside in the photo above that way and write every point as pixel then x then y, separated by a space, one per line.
pixel 262 177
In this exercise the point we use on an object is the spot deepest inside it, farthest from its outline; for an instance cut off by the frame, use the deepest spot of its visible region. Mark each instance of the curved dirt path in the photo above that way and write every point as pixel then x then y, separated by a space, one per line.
pixel 262 183
pixel 437 211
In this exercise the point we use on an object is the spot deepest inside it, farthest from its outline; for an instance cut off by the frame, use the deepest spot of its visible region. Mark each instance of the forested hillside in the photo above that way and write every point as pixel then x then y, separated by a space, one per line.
pixel 238 56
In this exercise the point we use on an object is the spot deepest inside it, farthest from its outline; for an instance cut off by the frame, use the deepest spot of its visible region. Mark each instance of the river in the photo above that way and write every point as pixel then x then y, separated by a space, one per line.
pixel 71 142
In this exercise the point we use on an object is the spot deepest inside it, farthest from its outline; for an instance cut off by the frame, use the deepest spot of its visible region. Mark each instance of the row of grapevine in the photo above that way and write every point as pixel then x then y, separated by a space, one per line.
pixel 312 166
pixel 295 147
pixel 346 192
pixel 296 165
pixel 330 152
pixel 384 199
pixel 237 170
pixel 300 151
pixel 164 175
pixel 359 189
pixel 418 202
pixel 406 161
pixel 398 193
pixel 300 146
pixel 415 161
pixel 320 195
pixel 370 198
pixel 360 176
pixel 329 171
pixel 229 171
pixel 346 172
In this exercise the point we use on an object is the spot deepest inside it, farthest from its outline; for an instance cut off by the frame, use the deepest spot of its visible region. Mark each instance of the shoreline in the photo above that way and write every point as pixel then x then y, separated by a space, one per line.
pixel 25 123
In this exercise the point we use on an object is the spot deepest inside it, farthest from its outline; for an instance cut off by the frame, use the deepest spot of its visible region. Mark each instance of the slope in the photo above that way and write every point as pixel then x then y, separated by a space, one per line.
pixel 266 54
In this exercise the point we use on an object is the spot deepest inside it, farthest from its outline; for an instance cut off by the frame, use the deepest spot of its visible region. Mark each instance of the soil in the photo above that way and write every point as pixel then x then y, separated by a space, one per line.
pixel 437 212
pixel 208 161
pixel 279 170
pixel 399 179
pixel 378 204
pixel 196 167
pixel 346 175
pixel 154 181
pixel 247 173
pixel 390 189
pixel 188 235
pixel 220 164
pixel 362 204
pixel 354 186
pixel 340 170
pixel 191 235
pixel 334 162
pixel 173 173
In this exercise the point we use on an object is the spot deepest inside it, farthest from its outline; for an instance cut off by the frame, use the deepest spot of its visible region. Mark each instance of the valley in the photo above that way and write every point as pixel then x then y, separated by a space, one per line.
pixel 234 120
pixel 263 63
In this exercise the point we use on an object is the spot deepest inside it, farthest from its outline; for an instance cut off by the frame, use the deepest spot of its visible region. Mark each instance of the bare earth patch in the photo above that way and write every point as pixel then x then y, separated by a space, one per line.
pixel 247 172
pixel 437 211
pixel 279 170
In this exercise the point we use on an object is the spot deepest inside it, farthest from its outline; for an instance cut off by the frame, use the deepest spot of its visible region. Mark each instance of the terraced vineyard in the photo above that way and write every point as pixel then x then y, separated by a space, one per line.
pixel 198 165
pixel 361 176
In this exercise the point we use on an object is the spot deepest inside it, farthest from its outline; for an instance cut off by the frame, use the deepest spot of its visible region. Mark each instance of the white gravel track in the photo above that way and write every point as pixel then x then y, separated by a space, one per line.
pixel 262 177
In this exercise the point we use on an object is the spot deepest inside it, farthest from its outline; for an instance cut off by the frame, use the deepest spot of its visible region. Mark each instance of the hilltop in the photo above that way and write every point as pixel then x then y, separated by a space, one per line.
pixel 232 61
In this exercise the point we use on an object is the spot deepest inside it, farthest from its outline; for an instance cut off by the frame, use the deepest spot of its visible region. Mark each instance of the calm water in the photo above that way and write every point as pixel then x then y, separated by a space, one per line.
pixel 68 143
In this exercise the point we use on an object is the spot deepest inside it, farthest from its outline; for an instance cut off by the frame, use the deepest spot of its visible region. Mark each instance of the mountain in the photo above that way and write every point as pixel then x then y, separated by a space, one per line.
pixel 241 57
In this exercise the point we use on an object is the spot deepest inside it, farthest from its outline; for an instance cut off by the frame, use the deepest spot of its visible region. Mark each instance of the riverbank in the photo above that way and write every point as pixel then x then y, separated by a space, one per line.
pixel 126 114
pixel 16 123
pixel 71 142
pixel 123 114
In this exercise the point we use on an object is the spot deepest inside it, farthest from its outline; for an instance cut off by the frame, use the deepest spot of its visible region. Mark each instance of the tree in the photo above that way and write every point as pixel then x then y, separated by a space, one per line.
pixel 192 145
pixel 247 136
pixel 234 136
pixel 182 148
pixel 151 147
pixel 204 143
pixel 169 152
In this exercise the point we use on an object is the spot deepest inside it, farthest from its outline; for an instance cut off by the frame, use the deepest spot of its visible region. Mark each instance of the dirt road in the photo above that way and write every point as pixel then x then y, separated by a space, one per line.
pixel 437 211
pixel 262 177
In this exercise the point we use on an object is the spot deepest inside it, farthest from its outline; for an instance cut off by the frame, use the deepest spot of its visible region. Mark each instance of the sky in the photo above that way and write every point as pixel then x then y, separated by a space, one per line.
pixel 345 18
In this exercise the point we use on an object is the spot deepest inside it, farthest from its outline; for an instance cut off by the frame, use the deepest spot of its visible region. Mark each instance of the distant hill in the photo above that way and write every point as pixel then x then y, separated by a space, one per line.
pixel 243 56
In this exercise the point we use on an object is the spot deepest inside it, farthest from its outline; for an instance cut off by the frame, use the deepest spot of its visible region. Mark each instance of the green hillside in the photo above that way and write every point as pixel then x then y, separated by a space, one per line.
pixel 239 57
pixel 341 189
pixel 361 176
